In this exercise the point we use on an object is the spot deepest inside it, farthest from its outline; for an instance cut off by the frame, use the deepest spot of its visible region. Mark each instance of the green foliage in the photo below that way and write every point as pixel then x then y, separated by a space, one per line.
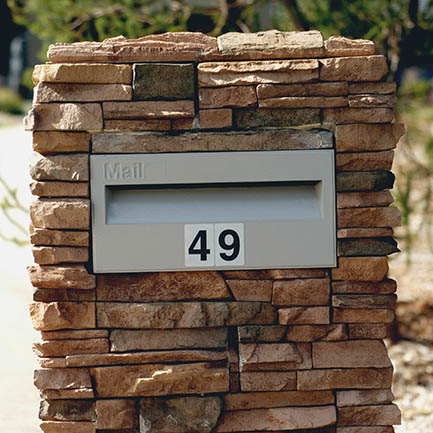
pixel 10 102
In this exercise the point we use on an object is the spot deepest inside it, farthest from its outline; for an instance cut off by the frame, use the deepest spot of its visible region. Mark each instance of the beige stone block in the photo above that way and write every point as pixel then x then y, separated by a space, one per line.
pixel 116 414
pixel 183 124
pixel 232 96
pixel 364 301
pixel 302 292
pixel 37 70
pixel 351 378
pixel 304 316
pixel 61 378
pixel 52 362
pixel 363 199
pixel 67 427
pixel 251 290
pixel 215 74
pixel 361 397
pixel 369 429
pixel 57 255
pixel 363 315
pixel 381 88
pixel 72 213
pixel 283 418
pixel 342 46
pixel 63 295
pixel 361 269
pixel 350 354
pixel 67 410
pixel 216 118
pixel 268 381
pixel 61 394
pixel 266 91
pixel 366 161
pixel 148 109
pixel 370 100
pixel 365 233
pixel 71 92
pixel 60 167
pixel 384 287
pixel 82 334
pixel 161 286
pixel 388 414
pixel 59 237
pixel 303 102
pixel 61 277
pixel 60 189
pixel 60 315
pixel 356 68
pixel 307 333
pixel 137 125
pixel 261 334
pixel 367 330
pixel 68 116
pixel 70 347
pixel 275 274
pixel 369 217
pixel 53 141
pixel 341 116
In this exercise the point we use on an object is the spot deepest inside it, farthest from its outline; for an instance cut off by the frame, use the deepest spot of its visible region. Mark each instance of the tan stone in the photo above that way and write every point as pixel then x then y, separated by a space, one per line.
pixel 176 46
pixel 303 102
pixel 137 125
pixel 82 334
pixel 67 427
pixel 364 180
pixel 341 46
pixel 60 189
pixel 59 237
pixel 364 301
pixel 183 124
pixel 67 410
pixel 375 429
pixel 284 418
pixel 63 295
pixel 148 109
pixel 271 44
pixel 184 314
pixel 52 362
pixel 369 217
pixel 374 88
pixel 365 233
pixel 361 269
pixel 364 397
pixel 363 199
pixel 380 288
pixel 70 347
pixel 365 137
pixel 61 378
pixel 306 333
pixel 367 330
pixel 266 91
pixel 363 315
pixel 357 68
pixel 61 277
pixel 68 116
pixel 216 118
pixel 62 315
pixel 56 255
pixel 251 290
pixel 268 381
pixel 261 400
pixel 86 73
pixel 60 213
pixel 60 167
pixel 366 161
pixel 261 334
pixel 52 141
pixel 71 92
pixel 340 116
pixel 37 70
pixel 275 274
pixel 350 354
pixel 232 96
pixel 116 414
pixel 369 415
pixel 214 74
pixel 358 378
pixel 157 339
pixel 60 394
pixel 161 286
pixel 303 292
pixel 154 380
pixel 94 360
pixel 304 316
pixel 367 101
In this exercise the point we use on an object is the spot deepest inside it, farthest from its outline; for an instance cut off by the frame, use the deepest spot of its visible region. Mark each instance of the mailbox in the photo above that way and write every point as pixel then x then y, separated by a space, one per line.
pixel 213 211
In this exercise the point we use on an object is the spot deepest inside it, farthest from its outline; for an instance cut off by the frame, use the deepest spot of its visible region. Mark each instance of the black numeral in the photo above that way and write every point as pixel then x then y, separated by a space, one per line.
pixel 201 241
pixel 234 245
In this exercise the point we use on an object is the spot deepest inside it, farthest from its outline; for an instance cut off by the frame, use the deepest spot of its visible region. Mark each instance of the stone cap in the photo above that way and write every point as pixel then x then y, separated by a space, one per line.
pixel 194 46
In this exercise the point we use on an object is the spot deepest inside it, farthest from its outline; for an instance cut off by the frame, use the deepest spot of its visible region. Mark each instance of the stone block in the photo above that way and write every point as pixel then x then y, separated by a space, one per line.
pixel 266 91
pixel 62 378
pixel 185 124
pixel 303 316
pixel 261 334
pixel 219 118
pixel 364 232
pixel 63 295
pixel 365 181
pixel 366 161
pixel 62 315
pixel 37 70
pixel 60 189
pixel 363 315
pixel 341 116
pixel 45 142
pixel 364 301
pixel 369 217
pixel 367 330
pixel 56 255
pixel 361 269
pixel 275 274
pixel 388 414
pixel 251 290
pixel 307 333
pixel 72 213
pixel 356 68
pixel 370 429
pixel 163 81
pixel 61 394
pixel 384 287
pixel 303 102
pixel 231 96
pixel 268 381
pixel 82 334
pixel 67 410
pixel 137 125
pixel 60 167
pixel 116 414
pixel 52 362
pixel 364 199
pixel 302 292
pixel 341 46
pixel 61 277
pixel 382 88
pixel 59 237
pixel 366 247
pixel 361 397
pixel 67 427
pixel 372 101
pixel 70 347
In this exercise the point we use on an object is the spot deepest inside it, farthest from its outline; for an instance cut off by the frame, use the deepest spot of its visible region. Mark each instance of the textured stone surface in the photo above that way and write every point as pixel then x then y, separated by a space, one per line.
pixel 271 44
pixel 363 199
pixel 316 333
pixel 61 277
pixel 232 96
pixel 185 124
pixel 216 118
pixel 261 334
pixel 367 330
pixel 61 378
pixel 265 91
pixel 179 415
pixel 367 101
pixel 68 116
pixel 303 102
pixel 52 362
pixel 358 378
pixel 208 141
pixel 53 141
pixel 366 247
pixel 74 335
pixel 60 167
pixel 381 88
pixel 366 161
pixel 60 189
pixel 364 301
pixel 214 74
pixel 343 116
pixel 184 314
pixel 177 81
pixel 61 315
pixel 137 125
pixel 67 410
pixel 156 339
pixel 70 347
pixel 155 380
pixel 370 415
pixel 341 46
pixel 284 418
pixel 361 269
pixel 161 286
pixel 264 117
pixel 58 295
pixel 357 68
pixel 59 237
pixel 365 232
pixel 116 414
pixel 56 255
pixel 364 181
pixel 60 213
pixel 60 394
pixel 369 217
pixel 303 316
pixel 268 381
pixel 374 429
pixel 303 292
pixel 364 397
pixel 67 427
pixel 251 290
pixel 363 315
pixel 275 274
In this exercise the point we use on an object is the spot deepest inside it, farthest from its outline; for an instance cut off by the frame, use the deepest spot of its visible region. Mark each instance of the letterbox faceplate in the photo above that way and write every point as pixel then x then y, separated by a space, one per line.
pixel 223 210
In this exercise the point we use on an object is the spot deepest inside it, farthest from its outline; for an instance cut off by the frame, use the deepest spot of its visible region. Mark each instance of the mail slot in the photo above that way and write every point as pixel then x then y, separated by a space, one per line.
pixel 222 210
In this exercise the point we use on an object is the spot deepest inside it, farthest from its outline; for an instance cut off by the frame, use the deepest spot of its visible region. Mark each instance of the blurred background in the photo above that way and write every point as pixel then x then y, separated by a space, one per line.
pixel 402 31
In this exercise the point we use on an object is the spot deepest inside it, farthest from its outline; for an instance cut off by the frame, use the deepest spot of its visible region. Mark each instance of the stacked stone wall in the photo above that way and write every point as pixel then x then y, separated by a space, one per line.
pixel 280 350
